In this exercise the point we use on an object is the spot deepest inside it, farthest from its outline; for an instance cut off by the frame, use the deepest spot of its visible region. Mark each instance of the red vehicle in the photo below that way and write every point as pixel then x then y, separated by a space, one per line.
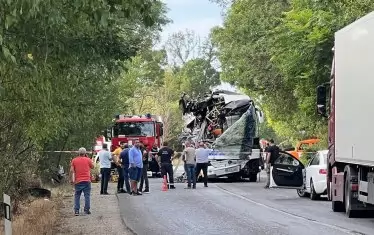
pixel 148 129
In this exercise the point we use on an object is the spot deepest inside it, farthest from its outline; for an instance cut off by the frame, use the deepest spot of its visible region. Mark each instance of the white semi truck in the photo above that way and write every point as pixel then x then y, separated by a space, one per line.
pixel 347 104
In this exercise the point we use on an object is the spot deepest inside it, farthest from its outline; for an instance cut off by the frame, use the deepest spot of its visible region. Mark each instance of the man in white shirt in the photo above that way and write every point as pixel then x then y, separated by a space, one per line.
pixel 202 161
pixel 105 158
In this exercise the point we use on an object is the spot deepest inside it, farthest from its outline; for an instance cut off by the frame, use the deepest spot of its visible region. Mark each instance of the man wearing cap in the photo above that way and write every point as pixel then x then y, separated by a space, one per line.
pixel 80 176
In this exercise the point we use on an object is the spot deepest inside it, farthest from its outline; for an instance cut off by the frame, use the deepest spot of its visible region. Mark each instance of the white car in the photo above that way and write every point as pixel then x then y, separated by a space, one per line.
pixel 315 176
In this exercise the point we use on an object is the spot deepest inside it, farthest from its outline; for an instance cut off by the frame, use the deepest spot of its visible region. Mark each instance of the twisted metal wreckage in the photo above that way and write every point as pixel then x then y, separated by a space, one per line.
pixel 229 122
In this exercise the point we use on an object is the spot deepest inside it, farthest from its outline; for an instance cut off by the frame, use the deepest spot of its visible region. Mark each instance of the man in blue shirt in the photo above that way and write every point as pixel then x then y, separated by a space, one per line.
pixel 136 165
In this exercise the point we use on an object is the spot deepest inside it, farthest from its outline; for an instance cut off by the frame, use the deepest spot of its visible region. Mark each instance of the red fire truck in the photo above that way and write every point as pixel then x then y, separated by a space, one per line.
pixel 148 129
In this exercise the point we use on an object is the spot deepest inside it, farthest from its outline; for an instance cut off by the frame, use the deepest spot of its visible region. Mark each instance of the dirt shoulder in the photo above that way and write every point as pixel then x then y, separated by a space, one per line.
pixel 105 217
pixel 36 216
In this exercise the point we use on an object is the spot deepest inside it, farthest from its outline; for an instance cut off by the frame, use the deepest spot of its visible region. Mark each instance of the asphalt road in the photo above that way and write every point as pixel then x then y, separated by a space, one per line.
pixel 234 208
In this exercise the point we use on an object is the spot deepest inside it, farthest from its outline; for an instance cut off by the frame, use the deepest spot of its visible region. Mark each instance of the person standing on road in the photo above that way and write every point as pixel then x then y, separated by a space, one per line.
pixel 153 164
pixel 105 158
pixel 116 154
pixel 166 155
pixel 136 166
pixel 184 160
pixel 125 162
pixel 272 155
pixel 121 169
pixel 202 161
pixel 189 157
pixel 144 177
pixel 80 176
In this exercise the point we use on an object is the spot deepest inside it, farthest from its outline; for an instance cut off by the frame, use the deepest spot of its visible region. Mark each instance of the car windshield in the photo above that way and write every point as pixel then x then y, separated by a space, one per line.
pixel 134 129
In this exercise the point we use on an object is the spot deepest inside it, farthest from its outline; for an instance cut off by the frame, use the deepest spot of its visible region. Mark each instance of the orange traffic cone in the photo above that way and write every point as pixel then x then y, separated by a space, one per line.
pixel 164 185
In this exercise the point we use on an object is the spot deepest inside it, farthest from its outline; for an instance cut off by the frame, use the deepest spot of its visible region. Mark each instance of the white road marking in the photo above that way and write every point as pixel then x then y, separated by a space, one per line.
pixel 344 230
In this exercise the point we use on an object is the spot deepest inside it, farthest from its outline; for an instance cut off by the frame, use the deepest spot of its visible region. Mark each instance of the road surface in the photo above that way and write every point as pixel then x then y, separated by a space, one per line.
pixel 234 208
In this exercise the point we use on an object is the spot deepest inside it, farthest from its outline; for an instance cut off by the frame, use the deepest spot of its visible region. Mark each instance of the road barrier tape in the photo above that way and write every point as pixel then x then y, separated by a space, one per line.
pixel 72 151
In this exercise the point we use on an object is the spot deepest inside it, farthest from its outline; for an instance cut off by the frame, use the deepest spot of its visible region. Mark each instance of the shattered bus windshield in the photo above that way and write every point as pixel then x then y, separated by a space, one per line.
pixel 237 140
pixel 134 129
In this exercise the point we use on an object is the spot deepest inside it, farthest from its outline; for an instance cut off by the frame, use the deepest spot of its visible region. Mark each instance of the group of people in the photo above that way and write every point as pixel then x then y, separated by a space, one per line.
pixel 132 164
pixel 195 160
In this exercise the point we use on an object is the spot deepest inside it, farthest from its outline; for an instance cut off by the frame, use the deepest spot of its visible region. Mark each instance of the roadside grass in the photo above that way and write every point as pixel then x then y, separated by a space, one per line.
pixel 38 216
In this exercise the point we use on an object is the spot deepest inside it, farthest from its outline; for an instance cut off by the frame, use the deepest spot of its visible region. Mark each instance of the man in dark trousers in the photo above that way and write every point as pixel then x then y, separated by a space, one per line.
pixel 202 161
pixel 144 177
pixel 105 158
pixel 153 164
pixel 166 155
pixel 123 169
pixel 272 155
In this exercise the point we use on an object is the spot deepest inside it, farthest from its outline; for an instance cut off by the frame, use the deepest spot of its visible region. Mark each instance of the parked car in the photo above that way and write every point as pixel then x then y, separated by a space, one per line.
pixel 315 176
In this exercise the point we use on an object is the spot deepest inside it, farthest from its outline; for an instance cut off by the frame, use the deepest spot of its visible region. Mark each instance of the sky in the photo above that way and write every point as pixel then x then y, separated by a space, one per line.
pixel 197 15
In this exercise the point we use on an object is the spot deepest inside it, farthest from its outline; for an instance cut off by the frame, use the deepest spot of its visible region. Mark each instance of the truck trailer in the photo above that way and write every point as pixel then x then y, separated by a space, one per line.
pixel 346 102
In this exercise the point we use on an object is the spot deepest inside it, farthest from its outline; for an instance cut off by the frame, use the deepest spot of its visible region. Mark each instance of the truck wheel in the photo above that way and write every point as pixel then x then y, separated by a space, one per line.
pixel 329 191
pixel 313 194
pixel 337 206
pixel 348 194
pixel 253 178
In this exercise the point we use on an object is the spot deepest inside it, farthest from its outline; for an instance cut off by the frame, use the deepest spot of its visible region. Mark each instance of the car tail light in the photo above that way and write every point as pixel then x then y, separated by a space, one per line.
pixel 322 171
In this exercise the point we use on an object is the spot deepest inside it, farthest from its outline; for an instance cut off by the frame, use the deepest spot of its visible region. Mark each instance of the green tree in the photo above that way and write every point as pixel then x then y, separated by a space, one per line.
pixel 192 60
pixel 280 51
pixel 61 77
pixel 198 76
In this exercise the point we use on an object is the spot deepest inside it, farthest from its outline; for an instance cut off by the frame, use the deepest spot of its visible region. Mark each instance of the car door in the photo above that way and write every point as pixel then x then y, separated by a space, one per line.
pixel 287 172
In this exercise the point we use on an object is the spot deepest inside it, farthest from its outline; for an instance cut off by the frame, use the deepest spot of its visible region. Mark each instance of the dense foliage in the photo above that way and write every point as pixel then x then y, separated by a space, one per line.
pixel 279 52
pixel 62 77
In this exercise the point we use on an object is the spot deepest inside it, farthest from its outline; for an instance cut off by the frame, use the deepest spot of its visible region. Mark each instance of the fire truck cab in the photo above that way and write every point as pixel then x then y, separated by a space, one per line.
pixel 148 129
